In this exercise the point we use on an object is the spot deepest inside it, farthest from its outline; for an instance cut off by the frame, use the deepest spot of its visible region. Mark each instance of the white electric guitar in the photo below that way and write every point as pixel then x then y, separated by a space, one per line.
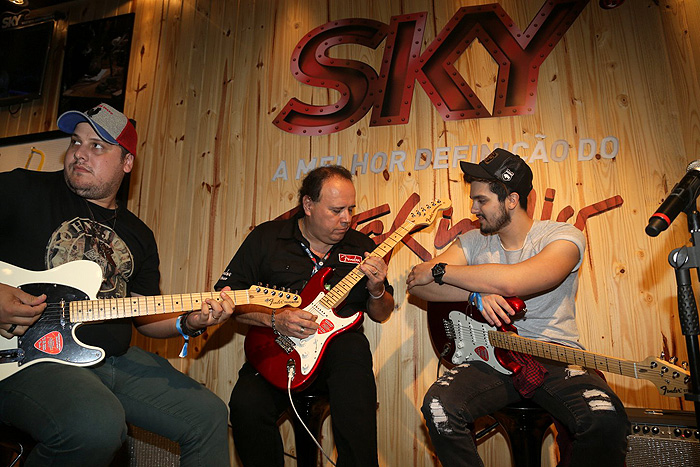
pixel 71 291
pixel 460 334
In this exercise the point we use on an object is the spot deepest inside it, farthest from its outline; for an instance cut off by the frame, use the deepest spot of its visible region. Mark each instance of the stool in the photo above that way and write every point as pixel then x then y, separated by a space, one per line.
pixel 17 442
pixel 525 423
pixel 313 410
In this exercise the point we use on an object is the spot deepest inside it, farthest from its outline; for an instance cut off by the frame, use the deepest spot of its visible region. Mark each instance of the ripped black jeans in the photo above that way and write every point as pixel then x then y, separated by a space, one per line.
pixel 579 399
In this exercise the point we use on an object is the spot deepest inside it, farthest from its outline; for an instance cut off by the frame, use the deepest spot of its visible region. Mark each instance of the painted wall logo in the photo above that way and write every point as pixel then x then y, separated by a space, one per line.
pixel 376 223
pixel 389 94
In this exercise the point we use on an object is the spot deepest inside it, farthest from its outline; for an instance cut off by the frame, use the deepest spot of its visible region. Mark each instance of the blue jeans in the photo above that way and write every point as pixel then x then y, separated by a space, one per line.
pixel 579 399
pixel 78 415
pixel 345 374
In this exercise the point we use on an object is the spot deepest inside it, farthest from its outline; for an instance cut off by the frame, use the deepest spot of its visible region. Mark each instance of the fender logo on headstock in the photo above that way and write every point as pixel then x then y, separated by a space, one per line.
pixel 665 390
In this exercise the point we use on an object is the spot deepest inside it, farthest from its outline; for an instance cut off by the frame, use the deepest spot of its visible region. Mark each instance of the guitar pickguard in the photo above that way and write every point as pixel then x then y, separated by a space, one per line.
pixel 71 291
pixel 472 342
pixel 274 355
pixel 52 337
pixel 310 349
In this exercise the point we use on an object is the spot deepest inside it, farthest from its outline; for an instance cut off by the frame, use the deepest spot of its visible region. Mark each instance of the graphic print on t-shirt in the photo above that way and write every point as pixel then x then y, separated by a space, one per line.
pixel 85 239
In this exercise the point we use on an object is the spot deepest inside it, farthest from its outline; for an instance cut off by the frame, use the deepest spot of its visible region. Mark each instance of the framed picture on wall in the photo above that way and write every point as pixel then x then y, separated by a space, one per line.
pixel 44 152
pixel 96 63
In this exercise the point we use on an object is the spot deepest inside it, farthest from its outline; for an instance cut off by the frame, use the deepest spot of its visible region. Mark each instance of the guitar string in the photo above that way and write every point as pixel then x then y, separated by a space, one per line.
pixel 61 308
pixel 385 247
pixel 132 305
pixel 569 353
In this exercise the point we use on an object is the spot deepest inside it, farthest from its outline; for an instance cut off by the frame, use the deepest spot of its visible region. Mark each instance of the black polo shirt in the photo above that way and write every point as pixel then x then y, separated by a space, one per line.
pixel 273 255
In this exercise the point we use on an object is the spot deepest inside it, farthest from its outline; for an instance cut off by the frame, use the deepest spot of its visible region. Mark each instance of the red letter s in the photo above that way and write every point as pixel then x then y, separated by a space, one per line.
pixel 354 80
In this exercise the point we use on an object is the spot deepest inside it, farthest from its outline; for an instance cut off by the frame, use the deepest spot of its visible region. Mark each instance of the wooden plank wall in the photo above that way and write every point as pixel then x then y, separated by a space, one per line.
pixel 207 78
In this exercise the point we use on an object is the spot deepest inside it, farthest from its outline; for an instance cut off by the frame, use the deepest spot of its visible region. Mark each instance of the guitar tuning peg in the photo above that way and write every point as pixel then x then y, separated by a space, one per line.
pixel 684 364
pixel 663 355
pixel 673 360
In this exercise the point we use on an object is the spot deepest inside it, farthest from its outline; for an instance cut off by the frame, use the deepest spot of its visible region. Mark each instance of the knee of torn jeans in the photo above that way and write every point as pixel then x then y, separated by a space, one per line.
pixel 607 420
pixel 574 370
pixel 598 400
pixel 434 413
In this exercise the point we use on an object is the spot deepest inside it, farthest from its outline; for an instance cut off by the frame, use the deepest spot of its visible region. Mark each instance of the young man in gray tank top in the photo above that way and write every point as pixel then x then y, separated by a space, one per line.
pixel 514 255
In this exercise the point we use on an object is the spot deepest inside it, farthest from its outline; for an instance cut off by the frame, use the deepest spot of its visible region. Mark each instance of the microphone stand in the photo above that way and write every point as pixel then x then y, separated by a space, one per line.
pixel 682 259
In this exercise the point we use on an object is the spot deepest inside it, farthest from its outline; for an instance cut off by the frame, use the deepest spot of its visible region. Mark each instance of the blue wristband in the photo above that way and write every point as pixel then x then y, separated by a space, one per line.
pixel 475 299
pixel 178 326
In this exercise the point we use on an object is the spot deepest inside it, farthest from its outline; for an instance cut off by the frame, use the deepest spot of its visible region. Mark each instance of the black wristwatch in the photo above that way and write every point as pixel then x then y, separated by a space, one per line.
pixel 438 272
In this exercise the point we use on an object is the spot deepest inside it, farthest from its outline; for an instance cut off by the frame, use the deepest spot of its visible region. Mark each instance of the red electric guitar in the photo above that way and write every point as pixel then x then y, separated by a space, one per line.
pixel 71 291
pixel 460 334
pixel 273 356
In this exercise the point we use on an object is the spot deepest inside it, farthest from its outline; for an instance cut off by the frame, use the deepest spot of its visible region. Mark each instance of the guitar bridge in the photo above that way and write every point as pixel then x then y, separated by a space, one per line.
pixel 286 343
pixel 11 355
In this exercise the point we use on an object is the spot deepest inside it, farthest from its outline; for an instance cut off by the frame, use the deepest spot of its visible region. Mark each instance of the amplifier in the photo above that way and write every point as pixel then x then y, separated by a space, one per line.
pixel 662 438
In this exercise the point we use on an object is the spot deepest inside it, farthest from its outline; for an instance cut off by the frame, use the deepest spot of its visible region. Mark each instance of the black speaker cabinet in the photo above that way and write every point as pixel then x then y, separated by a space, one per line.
pixel 663 438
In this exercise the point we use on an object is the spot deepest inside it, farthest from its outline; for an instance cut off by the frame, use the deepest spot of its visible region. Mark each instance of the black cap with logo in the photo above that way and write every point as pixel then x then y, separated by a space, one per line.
pixel 504 167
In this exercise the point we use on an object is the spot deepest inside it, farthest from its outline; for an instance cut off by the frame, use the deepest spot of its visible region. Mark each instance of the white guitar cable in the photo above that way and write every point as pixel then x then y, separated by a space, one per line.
pixel 291 371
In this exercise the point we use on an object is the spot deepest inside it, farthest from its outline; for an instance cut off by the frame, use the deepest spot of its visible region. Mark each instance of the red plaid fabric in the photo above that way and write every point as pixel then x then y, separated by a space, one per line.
pixel 530 376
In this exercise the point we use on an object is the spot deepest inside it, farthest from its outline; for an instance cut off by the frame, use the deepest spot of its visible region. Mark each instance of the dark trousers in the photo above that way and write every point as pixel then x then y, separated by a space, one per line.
pixel 581 400
pixel 78 415
pixel 345 374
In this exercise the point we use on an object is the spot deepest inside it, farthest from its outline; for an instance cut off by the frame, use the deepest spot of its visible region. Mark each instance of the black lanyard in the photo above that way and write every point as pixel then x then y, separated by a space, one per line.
pixel 317 264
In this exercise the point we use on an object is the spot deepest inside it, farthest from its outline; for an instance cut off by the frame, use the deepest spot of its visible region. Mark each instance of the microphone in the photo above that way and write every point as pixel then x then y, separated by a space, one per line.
pixel 683 193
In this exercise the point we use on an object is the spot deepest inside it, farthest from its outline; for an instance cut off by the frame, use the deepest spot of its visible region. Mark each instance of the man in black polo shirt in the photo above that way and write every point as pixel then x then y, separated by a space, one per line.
pixel 287 253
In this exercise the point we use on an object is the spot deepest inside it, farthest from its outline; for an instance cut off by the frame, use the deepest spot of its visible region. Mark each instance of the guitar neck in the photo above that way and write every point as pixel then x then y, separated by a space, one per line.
pixel 562 353
pixel 340 291
pixel 131 307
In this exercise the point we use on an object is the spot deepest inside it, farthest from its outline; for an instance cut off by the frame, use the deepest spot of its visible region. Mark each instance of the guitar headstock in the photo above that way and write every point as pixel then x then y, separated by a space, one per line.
pixel 426 214
pixel 671 380
pixel 272 298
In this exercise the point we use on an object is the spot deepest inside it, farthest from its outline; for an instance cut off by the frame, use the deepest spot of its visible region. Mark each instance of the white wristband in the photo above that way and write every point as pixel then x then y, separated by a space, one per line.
pixel 377 297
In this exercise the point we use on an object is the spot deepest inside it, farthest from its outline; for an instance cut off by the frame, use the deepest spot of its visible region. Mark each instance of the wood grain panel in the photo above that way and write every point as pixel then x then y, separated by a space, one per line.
pixel 207 78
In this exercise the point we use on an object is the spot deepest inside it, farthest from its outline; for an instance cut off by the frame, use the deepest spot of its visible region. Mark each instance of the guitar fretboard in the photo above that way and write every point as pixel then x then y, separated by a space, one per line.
pixel 562 353
pixel 113 308
pixel 421 216
pixel 340 291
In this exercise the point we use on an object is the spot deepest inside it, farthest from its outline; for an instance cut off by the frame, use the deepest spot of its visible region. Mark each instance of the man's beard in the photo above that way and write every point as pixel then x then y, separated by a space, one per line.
pixel 93 191
pixel 497 224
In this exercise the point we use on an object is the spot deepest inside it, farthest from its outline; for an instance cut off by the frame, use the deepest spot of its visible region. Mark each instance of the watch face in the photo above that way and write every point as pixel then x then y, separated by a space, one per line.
pixel 438 271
